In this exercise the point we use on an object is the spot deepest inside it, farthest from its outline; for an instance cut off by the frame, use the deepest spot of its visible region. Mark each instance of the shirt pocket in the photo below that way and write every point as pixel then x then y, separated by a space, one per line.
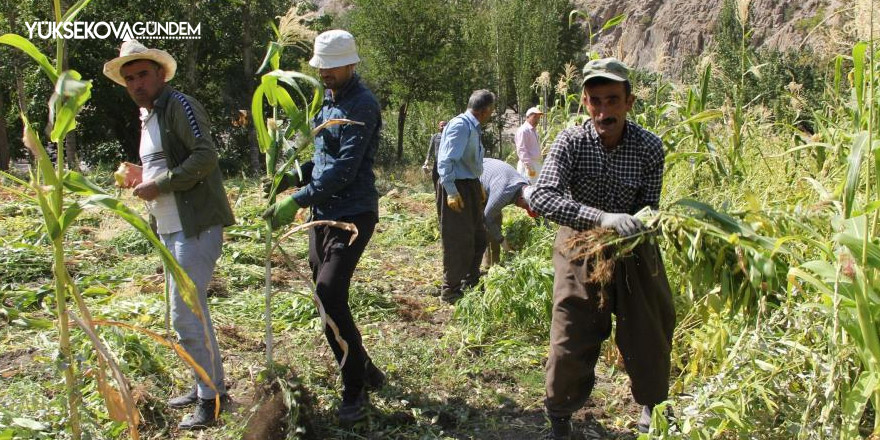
pixel 626 194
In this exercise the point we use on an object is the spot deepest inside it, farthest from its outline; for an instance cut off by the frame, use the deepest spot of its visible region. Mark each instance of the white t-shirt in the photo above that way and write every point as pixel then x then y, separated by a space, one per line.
pixel 163 207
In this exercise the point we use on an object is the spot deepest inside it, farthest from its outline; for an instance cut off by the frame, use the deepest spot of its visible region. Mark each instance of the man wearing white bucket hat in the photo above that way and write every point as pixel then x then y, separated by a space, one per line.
pixel 183 188
pixel 528 146
pixel 341 187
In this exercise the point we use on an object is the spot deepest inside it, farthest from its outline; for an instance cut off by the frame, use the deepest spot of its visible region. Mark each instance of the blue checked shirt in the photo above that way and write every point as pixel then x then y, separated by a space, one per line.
pixel 581 180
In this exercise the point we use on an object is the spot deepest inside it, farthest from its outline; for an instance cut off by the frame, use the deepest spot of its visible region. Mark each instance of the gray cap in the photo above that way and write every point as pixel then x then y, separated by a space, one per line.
pixel 610 68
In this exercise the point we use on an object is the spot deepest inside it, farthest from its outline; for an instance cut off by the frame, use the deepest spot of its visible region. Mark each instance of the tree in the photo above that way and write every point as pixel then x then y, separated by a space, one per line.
pixel 413 49
pixel 530 37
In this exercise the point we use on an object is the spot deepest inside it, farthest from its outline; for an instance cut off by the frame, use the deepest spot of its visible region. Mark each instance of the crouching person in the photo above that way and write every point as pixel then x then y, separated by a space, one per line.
pixel 183 188
pixel 503 186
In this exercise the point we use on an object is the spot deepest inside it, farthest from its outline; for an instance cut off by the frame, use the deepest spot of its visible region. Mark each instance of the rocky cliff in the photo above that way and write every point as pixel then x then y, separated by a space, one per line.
pixel 659 34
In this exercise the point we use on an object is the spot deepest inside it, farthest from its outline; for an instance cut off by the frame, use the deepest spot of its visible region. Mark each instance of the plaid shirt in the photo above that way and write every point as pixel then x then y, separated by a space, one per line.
pixel 581 179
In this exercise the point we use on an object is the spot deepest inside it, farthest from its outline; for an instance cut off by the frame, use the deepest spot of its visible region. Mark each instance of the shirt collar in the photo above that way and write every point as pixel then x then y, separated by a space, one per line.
pixel 162 100
pixel 470 117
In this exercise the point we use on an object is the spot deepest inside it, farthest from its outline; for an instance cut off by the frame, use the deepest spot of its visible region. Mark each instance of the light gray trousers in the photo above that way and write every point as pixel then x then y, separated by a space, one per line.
pixel 197 256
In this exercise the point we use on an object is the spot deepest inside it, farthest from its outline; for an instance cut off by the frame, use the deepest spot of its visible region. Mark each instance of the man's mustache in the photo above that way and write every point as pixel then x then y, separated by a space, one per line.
pixel 608 121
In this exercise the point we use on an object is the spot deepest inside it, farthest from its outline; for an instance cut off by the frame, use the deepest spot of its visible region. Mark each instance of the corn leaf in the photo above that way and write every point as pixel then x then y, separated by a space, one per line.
pixel 44 164
pixel 120 404
pixel 858 54
pixel 74 10
pixel 263 138
pixel 76 183
pixel 177 348
pixel 272 58
pixel 28 48
pixel 855 401
pixel 853 238
pixel 68 99
pixel 854 164
pixel 573 15
pixel 614 21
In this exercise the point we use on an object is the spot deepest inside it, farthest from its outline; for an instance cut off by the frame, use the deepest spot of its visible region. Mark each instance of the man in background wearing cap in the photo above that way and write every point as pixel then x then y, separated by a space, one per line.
pixel 597 175
pixel 503 186
pixel 183 189
pixel 528 147
pixel 460 164
pixel 341 187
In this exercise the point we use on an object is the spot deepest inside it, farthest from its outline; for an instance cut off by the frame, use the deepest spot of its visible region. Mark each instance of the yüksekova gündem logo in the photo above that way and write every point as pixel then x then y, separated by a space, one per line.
pixel 101 30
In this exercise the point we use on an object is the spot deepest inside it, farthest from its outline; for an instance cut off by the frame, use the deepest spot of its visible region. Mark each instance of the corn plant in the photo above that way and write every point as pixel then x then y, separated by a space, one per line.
pixel 50 187
pixel 591 36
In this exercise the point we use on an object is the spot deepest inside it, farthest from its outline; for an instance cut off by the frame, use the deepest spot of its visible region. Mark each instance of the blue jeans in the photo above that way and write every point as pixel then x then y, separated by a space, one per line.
pixel 197 256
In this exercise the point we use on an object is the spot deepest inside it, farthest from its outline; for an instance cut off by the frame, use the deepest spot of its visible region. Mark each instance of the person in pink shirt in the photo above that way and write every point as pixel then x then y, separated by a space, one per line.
pixel 528 148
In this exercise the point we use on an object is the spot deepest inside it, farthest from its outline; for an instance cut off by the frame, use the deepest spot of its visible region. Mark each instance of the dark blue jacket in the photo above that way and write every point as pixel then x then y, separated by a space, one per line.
pixel 342 181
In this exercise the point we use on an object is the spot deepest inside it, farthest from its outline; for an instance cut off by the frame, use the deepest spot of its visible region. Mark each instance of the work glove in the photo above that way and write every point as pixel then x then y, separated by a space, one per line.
pixel 426 170
pixel 281 213
pixel 287 181
pixel 624 224
pixel 455 203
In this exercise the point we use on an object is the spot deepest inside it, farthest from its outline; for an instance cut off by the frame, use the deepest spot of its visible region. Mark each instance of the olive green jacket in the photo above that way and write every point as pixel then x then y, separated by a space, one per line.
pixel 193 174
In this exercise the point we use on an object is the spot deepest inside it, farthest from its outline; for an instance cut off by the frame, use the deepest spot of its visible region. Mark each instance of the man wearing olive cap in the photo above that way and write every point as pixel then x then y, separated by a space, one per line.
pixel 183 190
pixel 597 175
pixel 340 186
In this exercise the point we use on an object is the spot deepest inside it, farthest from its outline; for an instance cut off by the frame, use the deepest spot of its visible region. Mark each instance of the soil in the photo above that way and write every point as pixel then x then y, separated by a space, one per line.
pixel 12 362
pixel 270 414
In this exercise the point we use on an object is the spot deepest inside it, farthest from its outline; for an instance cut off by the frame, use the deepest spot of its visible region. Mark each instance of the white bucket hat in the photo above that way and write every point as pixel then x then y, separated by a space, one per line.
pixel 334 48
pixel 132 50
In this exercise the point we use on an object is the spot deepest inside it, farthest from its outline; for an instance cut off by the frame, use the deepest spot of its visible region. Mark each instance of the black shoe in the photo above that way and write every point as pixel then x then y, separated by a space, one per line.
pixel 186 400
pixel 451 296
pixel 374 379
pixel 560 428
pixel 354 407
pixel 203 416
pixel 644 424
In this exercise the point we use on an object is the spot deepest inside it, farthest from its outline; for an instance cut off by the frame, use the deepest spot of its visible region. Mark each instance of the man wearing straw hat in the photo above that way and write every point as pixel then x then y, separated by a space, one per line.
pixel 341 187
pixel 598 175
pixel 183 189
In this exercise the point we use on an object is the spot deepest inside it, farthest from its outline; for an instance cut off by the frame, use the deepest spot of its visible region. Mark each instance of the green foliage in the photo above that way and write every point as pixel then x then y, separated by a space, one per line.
pixel 516 301
pixel 130 242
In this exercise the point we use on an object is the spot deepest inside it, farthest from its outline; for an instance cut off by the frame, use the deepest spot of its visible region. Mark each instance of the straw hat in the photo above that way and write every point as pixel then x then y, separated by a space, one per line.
pixel 334 48
pixel 132 50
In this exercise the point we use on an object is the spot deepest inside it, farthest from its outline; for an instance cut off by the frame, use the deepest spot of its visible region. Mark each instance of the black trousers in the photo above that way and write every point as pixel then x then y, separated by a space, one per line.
pixel 333 262
pixel 463 235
